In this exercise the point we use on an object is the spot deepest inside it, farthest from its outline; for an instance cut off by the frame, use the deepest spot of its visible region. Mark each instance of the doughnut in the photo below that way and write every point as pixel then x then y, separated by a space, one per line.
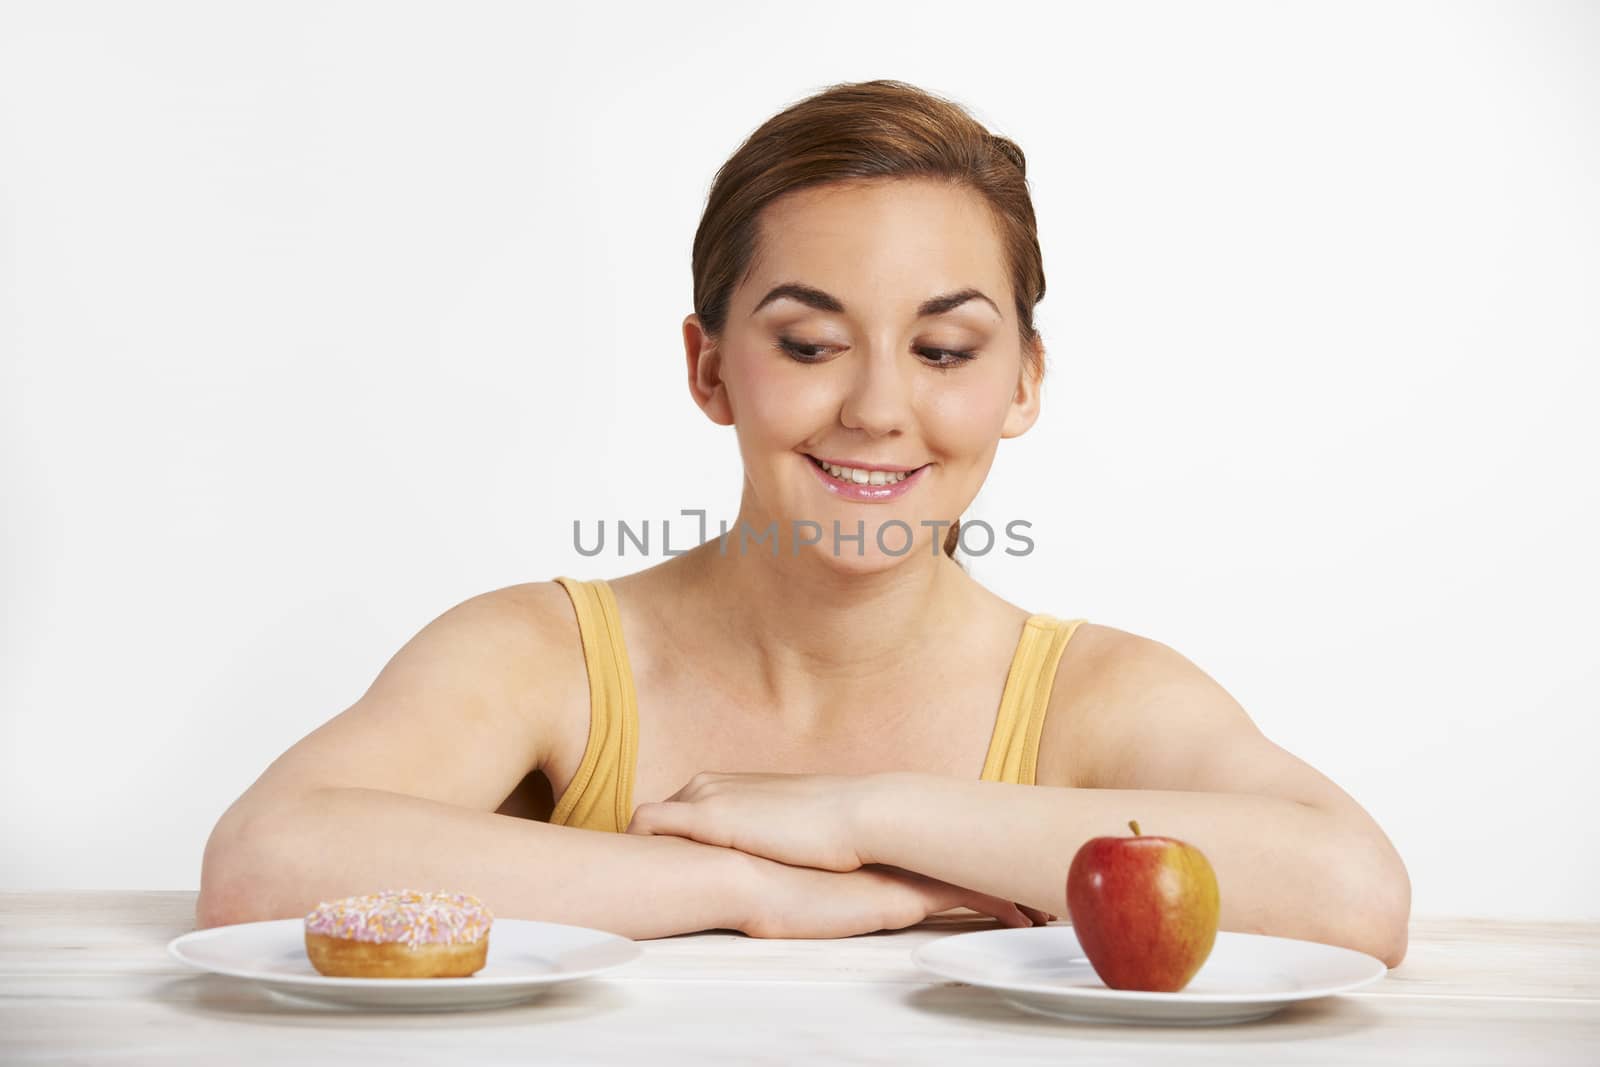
pixel 399 933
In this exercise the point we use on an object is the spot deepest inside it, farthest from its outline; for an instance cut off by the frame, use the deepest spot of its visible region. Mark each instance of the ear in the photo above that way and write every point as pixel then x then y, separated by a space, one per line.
pixel 1024 411
pixel 705 373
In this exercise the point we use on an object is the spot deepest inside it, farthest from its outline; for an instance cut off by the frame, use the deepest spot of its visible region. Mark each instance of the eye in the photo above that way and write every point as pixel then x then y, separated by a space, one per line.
pixel 951 357
pixel 941 358
pixel 797 350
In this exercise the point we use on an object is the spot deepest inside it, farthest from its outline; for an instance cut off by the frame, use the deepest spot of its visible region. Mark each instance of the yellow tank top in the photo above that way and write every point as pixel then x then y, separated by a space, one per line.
pixel 600 796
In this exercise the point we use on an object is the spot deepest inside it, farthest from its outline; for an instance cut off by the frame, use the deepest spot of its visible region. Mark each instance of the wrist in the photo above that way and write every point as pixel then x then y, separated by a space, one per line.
pixel 740 888
pixel 871 814
pixel 713 887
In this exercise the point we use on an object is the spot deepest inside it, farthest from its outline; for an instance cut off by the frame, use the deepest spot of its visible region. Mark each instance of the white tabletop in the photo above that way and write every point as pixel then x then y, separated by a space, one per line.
pixel 85 978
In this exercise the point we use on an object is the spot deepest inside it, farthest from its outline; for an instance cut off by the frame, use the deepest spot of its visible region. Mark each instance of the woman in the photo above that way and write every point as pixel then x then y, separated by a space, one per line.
pixel 819 725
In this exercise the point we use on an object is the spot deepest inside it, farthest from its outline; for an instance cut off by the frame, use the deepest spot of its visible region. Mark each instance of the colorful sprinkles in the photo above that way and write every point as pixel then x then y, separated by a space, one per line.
pixel 407 915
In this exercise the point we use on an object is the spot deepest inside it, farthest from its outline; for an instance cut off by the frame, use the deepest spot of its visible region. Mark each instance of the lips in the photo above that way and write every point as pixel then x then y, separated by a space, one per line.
pixel 866 493
pixel 848 473
pixel 892 468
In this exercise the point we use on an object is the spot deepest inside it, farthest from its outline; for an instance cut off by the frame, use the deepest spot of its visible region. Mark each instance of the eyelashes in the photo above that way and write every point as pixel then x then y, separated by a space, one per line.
pixel 941 358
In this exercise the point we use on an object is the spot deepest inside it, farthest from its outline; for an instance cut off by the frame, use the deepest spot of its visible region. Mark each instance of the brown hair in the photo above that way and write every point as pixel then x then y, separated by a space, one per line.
pixel 856 131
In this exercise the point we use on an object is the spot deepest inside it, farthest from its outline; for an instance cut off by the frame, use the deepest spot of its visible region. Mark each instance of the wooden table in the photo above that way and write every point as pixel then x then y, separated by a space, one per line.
pixel 85 978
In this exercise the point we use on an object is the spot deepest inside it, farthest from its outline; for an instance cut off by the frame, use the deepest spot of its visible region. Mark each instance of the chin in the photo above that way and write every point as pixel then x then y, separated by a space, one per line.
pixel 870 561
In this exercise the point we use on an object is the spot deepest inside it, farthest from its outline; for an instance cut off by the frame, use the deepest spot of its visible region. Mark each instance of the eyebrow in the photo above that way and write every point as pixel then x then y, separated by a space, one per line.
pixel 811 296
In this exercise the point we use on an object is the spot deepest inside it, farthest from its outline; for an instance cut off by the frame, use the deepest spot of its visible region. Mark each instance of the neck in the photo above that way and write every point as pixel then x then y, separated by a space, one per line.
pixel 805 637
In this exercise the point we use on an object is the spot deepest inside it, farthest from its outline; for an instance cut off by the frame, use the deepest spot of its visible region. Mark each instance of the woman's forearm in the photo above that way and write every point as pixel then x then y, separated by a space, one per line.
pixel 280 862
pixel 1283 868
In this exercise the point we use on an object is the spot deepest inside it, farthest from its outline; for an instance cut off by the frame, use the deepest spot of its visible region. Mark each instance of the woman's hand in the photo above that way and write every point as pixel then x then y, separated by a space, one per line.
pixel 803 902
pixel 804 820
pixel 806 876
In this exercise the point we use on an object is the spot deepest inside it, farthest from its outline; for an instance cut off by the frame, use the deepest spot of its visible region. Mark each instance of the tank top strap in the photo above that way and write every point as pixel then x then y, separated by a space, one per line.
pixel 1014 747
pixel 600 796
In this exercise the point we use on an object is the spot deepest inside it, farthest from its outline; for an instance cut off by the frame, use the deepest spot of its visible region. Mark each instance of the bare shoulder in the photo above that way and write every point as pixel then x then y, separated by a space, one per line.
pixel 1139 714
pixel 486 682
pixel 541 607
pixel 1067 746
pixel 514 649
pixel 511 655
pixel 1120 699
pixel 535 631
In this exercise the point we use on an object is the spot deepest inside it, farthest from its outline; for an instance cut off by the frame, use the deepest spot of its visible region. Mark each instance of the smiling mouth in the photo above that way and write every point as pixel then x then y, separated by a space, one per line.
pixel 863 475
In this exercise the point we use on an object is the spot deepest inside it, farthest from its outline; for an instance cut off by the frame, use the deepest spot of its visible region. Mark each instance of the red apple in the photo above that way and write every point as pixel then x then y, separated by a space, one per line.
pixel 1144 909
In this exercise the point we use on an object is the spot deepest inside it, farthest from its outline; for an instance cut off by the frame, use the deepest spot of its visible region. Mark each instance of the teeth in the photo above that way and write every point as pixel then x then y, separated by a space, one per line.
pixel 865 477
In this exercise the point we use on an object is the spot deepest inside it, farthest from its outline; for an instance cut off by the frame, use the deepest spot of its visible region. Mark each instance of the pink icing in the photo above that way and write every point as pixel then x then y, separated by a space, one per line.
pixel 407 915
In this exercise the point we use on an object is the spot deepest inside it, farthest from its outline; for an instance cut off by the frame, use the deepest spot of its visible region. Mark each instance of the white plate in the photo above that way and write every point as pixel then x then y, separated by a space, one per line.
pixel 524 958
pixel 1247 976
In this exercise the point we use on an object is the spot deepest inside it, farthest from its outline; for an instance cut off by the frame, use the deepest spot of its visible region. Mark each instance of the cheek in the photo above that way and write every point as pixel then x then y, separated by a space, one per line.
pixel 774 404
pixel 966 416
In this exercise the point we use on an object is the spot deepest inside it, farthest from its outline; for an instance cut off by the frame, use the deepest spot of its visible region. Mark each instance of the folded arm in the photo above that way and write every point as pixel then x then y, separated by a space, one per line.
pixel 1166 745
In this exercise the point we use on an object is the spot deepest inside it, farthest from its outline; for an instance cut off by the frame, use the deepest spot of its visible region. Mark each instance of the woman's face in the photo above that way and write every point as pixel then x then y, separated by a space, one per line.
pixel 838 348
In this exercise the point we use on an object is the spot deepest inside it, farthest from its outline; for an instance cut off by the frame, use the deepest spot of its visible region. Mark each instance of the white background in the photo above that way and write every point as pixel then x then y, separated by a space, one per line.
pixel 320 318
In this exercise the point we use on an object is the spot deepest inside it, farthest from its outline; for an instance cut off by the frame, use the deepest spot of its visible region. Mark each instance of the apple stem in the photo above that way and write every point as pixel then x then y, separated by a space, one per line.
pixel 1135 824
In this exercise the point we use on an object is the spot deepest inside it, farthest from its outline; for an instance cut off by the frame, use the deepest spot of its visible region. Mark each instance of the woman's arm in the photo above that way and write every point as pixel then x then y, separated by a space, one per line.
pixel 1295 856
pixel 397 791
pixel 281 861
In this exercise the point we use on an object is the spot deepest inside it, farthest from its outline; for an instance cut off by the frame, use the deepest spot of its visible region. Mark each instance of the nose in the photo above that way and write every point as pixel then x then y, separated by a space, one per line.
pixel 878 402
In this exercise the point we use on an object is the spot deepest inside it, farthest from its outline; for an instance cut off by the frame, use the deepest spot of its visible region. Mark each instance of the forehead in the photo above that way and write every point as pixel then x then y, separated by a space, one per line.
pixel 898 239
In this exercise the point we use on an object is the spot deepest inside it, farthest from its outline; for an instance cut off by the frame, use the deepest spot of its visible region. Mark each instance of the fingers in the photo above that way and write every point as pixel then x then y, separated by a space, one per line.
pixel 1010 911
pixel 1017 915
